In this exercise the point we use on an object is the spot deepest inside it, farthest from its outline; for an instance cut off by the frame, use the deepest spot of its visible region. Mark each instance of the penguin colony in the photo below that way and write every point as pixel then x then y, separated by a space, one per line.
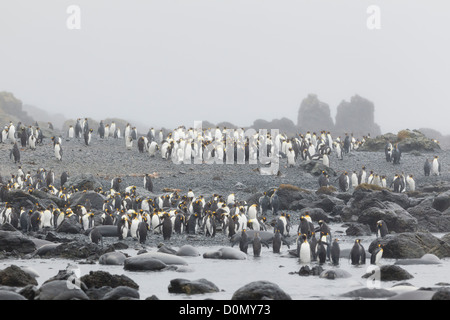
pixel 138 217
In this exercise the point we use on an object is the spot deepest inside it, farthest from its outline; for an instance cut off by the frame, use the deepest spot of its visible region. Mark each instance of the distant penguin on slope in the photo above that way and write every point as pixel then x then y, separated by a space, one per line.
pixel 58 151
pixel 15 152
pixel 427 168
pixel 436 166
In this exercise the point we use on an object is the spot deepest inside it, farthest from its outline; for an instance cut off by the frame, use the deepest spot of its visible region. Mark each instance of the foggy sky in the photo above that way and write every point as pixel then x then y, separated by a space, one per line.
pixel 166 62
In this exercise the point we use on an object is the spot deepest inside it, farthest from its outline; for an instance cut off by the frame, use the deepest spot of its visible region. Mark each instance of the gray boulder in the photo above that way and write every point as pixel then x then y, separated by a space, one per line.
pixel 60 290
pixel 98 279
pixel 84 181
pixel 16 241
pixel 10 295
pixel 122 293
pixel 185 286
pixel 260 290
pixel 391 273
pixel 14 276
pixel 411 245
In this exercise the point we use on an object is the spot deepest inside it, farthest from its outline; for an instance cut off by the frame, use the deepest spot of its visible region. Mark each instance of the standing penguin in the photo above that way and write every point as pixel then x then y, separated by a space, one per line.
pixel 148 184
pixel 243 242
pixel 323 180
pixel 436 166
pixel 427 168
pixel 15 152
pixel 274 202
pixel 344 182
pixel 388 151
pixel 96 236
pixel 64 177
pixel 411 183
pixel 115 184
pixel 142 231
pixel 256 245
pixel 122 227
pixel 58 151
pixel 276 242
pixel 321 251
pixel 382 229
pixel 335 252
pixel 88 136
pixel 358 253
pixel 376 256
pixel 291 157
pixel 305 250
pixel 166 227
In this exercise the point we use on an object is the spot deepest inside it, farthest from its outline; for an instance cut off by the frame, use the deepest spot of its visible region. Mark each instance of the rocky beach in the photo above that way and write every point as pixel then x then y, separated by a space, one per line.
pixel 418 221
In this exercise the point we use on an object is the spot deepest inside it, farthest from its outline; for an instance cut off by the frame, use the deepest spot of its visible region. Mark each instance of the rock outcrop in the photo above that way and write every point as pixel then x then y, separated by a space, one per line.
pixel 356 116
pixel 314 115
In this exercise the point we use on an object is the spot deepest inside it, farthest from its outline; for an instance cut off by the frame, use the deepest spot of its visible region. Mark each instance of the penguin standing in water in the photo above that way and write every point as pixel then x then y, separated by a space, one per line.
pixel 321 251
pixel 436 166
pixel 376 256
pixel 382 229
pixel 276 242
pixel 427 168
pixel 304 250
pixel 243 242
pixel 15 152
pixel 256 245
pixel 358 253
pixel 335 252
pixel 313 246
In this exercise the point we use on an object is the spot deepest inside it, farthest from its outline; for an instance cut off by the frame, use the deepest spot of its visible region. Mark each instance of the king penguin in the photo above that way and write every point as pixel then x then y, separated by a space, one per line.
pixel 382 229
pixel 376 255
pixel 276 243
pixel 96 236
pixel 335 252
pixel 15 152
pixel 142 231
pixel 358 253
pixel 344 182
pixel 305 250
pixel 58 151
pixel 427 168
pixel 148 184
pixel 243 242
pixel 436 166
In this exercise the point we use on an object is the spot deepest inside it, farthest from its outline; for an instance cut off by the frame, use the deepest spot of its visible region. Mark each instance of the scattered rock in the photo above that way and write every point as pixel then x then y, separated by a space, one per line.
pixel 15 277
pixel 260 290
pixel 192 287
pixel 99 279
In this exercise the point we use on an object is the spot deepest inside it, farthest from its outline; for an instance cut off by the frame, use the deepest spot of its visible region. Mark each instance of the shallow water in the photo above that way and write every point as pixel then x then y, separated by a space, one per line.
pixel 230 275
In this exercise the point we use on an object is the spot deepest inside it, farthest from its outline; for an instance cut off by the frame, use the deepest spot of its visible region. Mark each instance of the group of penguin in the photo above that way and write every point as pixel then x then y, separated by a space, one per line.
pixel 310 249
